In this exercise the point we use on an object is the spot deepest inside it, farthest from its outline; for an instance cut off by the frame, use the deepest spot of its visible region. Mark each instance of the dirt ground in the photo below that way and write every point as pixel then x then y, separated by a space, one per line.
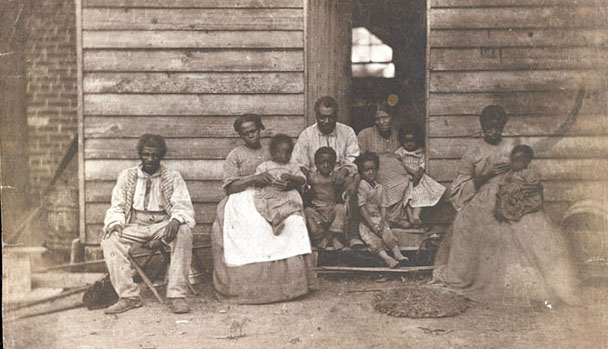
pixel 340 315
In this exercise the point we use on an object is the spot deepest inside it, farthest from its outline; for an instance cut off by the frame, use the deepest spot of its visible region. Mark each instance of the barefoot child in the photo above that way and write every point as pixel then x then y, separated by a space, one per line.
pixel 280 200
pixel 423 191
pixel 325 216
pixel 372 206
pixel 519 191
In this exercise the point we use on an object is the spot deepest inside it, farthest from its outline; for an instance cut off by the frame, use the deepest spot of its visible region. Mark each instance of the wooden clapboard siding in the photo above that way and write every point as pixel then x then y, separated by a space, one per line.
pixel 529 102
pixel 200 191
pixel 550 169
pixel 185 126
pixel 531 58
pixel 563 148
pixel 523 125
pixel 508 81
pixel 192 19
pixel 107 170
pixel 184 69
pixel 182 104
pixel 194 83
pixel 519 17
pixel 194 60
pixel 529 37
pixel 517 58
pixel 194 3
pixel 126 39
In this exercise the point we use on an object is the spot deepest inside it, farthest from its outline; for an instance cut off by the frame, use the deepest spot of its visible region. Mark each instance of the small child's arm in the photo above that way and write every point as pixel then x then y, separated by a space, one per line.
pixel 368 220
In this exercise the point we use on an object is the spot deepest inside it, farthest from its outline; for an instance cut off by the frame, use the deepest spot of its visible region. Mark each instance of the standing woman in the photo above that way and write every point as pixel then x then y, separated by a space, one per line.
pixel 251 264
pixel 514 261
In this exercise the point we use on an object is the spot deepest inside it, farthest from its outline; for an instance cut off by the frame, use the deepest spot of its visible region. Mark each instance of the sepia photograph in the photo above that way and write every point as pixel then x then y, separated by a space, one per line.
pixel 304 173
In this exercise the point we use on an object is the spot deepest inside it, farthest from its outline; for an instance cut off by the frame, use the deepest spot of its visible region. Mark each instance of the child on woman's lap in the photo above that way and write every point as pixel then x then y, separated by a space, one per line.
pixel 273 204
pixel 519 191
pixel 374 228
pixel 423 191
pixel 326 215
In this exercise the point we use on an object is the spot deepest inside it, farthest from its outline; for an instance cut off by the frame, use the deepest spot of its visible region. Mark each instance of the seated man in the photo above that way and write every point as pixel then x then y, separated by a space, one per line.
pixel 149 203
pixel 327 132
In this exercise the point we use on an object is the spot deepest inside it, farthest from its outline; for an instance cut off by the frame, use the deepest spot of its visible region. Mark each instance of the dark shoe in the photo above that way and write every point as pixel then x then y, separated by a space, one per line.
pixel 179 306
pixel 123 305
pixel 355 243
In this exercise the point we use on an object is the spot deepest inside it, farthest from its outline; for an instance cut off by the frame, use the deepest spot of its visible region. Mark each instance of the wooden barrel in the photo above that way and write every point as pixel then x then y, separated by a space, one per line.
pixel 586 223
pixel 61 217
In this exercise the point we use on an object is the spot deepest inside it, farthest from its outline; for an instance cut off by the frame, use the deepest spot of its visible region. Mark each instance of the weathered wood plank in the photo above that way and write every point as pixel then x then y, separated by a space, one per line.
pixel 193 83
pixel 96 211
pixel 524 125
pixel 94 233
pixel 184 126
pixel 179 148
pixel 192 39
pixel 108 170
pixel 555 102
pixel 510 58
pixel 550 169
pixel 161 104
pixel 568 190
pixel 498 81
pixel 519 17
pixel 192 19
pixel 518 37
pixel 194 61
pixel 195 3
pixel 564 148
pixel 200 191
pixel 505 3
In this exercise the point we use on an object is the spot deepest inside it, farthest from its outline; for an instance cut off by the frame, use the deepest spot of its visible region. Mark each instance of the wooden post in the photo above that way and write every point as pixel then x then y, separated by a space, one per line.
pixel 328 55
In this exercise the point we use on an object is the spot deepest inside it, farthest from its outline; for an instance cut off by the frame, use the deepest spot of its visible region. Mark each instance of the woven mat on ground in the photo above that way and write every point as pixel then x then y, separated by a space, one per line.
pixel 420 302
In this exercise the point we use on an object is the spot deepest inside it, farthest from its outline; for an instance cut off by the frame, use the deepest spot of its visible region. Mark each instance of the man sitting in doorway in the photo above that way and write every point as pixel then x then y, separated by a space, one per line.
pixel 327 132
pixel 150 202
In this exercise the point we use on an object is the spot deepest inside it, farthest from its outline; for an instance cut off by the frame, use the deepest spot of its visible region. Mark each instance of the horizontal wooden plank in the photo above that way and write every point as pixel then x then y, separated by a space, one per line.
pixel 568 190
pixel 554 103
pixel 194 61
pixel 523 125
pixel 513 58
pixel 201 234
pixel 194 3
pixel 505 3
pixel 108 170
pixel 518 37
pixel 96 211
pixel 200 191
pixel 562 148
pixel 192 19
pixel 179 148
pixel 519 17
pixel 184 126
pixel 113 104
pixel 550 169
pixel 498 81
pixel 193 83
pixel 192 39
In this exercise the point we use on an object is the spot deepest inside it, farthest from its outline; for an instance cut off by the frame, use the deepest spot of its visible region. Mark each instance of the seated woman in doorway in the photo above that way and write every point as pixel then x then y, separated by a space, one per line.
pixel 512 261
pixel 383 140
pixel 252 265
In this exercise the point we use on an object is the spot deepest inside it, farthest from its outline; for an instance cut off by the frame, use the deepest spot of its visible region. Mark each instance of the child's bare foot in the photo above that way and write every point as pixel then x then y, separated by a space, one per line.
pixel 392 263
pixel 337 244
pixel 278 229
pixel 398 256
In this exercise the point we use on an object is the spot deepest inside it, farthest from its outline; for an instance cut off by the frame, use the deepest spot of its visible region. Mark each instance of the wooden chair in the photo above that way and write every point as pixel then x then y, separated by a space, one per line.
pixel 155 247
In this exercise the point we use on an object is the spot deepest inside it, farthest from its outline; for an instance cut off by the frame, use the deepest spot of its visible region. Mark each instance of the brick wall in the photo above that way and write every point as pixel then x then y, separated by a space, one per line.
pixel 51 88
